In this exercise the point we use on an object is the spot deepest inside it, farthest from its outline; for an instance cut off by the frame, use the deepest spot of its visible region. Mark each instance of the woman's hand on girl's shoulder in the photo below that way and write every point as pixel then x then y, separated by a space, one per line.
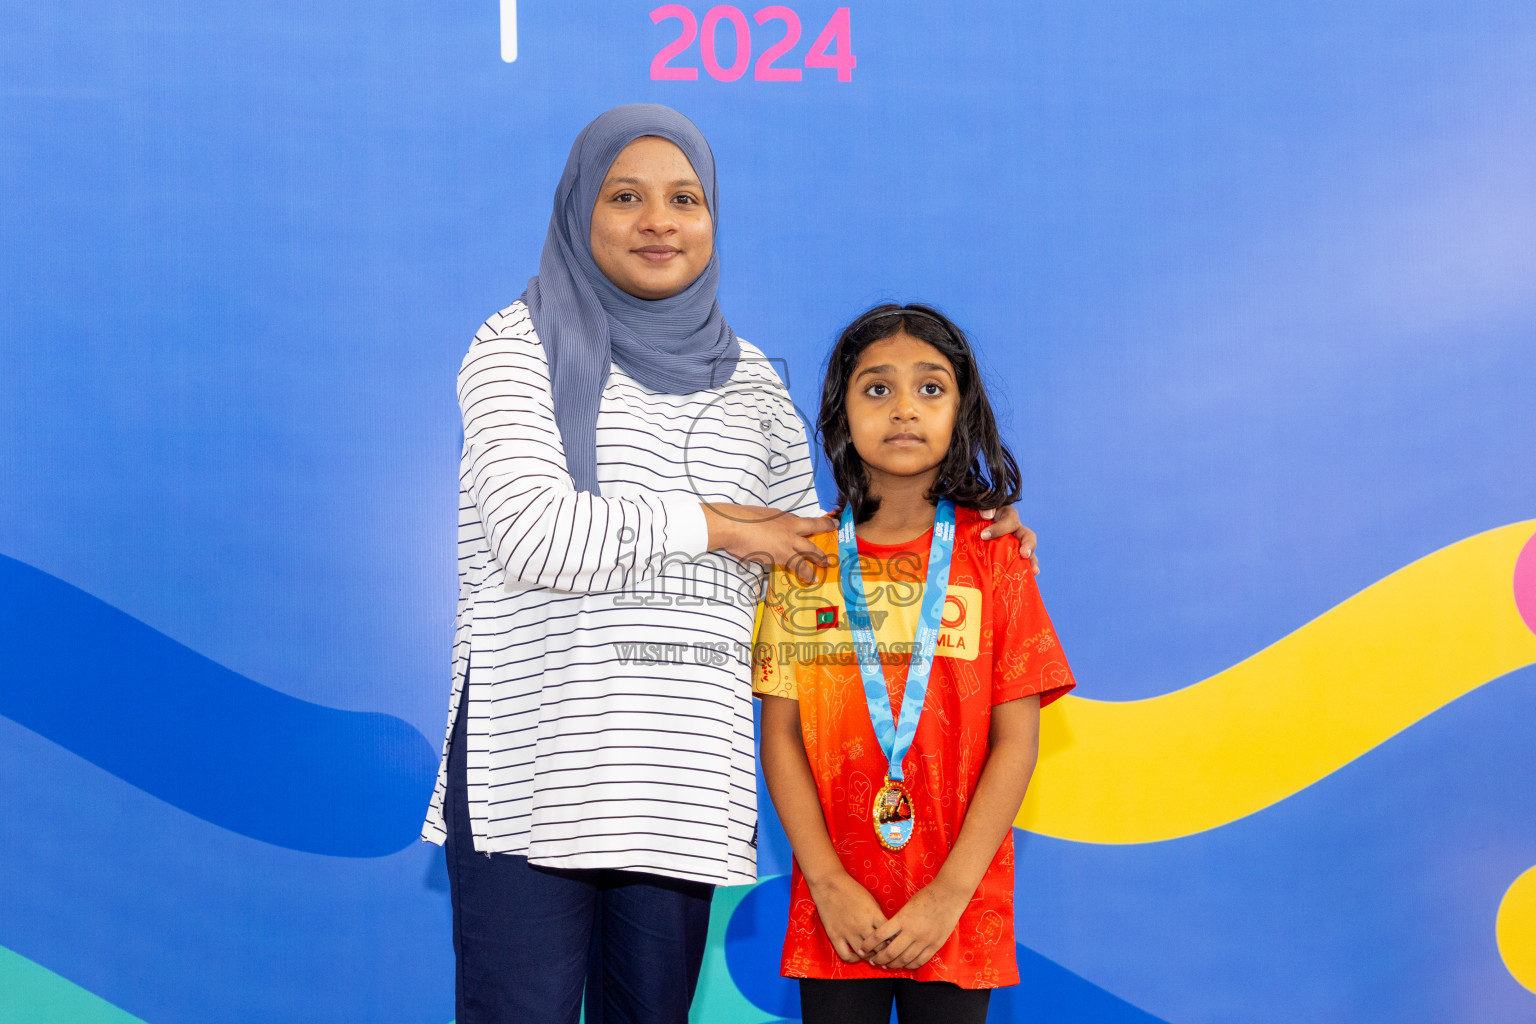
pixel 849 914
pixel 1006 523
pixel 768 536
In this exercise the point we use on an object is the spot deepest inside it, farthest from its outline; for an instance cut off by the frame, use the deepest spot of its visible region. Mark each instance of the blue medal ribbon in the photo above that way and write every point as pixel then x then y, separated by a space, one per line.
pixel 896 737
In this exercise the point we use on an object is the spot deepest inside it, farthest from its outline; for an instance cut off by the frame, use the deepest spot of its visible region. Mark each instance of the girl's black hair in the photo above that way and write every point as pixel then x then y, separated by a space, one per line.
pixel 979 471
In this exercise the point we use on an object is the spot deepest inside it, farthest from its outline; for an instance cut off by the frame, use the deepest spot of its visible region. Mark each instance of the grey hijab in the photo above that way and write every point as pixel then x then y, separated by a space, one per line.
pixel 677 345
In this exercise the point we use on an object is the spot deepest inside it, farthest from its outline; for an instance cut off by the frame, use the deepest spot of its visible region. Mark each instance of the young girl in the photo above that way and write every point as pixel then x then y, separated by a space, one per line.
pixel 902 691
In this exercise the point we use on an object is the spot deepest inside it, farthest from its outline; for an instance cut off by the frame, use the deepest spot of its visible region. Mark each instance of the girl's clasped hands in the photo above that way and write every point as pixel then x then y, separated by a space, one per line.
pixel 906 941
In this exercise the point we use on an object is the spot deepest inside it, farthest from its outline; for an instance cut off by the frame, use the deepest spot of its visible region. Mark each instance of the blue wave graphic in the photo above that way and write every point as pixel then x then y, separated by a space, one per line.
pixel 164 718
pixel 179 921
pixel 1048 991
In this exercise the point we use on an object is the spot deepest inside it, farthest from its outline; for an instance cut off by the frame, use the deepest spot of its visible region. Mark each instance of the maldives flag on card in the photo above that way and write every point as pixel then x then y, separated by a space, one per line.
pixel 826 618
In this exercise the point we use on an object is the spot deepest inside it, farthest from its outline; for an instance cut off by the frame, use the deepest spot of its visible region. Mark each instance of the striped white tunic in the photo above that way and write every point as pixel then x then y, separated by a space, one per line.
pixel 610 705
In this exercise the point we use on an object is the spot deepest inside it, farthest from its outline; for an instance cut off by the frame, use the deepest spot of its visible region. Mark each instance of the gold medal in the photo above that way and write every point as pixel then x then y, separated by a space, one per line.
pixel 892 815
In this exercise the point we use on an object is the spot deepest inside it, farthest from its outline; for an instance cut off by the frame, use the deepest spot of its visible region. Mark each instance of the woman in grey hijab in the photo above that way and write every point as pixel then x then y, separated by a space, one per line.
pixel 627 458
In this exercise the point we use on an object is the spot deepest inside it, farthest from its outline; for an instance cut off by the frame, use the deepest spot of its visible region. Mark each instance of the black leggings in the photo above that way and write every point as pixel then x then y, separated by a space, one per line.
pixel 868 1001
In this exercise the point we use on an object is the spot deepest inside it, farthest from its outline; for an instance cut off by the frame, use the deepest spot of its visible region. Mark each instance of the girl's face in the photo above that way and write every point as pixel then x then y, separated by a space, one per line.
pixel 652 234
pixel 902 399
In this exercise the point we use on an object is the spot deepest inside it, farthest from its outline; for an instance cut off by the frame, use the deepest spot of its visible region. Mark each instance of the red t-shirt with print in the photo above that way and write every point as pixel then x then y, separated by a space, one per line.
pixel 996 644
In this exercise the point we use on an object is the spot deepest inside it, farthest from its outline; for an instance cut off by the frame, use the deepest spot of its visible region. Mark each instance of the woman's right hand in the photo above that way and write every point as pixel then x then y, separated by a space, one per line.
pixel 768 536
pixel 848 913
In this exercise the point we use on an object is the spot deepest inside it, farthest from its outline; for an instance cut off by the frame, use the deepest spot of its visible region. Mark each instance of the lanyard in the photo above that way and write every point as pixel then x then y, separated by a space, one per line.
pixel 896 738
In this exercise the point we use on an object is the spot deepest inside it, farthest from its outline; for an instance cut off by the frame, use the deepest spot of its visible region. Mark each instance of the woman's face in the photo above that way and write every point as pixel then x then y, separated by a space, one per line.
pixel 651 229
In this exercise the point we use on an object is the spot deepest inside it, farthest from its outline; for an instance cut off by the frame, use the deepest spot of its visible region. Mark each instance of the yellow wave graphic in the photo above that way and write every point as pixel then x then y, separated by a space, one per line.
pixel 1515 929
pixel 1273 724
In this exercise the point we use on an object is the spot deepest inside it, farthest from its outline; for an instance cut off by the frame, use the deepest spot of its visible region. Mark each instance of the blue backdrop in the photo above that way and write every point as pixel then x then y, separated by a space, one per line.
pixel 1254 283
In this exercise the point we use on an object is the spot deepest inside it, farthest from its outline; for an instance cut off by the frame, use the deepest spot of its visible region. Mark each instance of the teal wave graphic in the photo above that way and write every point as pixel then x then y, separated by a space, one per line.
pixel 32 993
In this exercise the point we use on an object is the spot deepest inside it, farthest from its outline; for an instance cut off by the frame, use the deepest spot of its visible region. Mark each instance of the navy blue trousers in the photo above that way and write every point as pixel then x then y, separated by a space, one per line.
pixel 530 941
